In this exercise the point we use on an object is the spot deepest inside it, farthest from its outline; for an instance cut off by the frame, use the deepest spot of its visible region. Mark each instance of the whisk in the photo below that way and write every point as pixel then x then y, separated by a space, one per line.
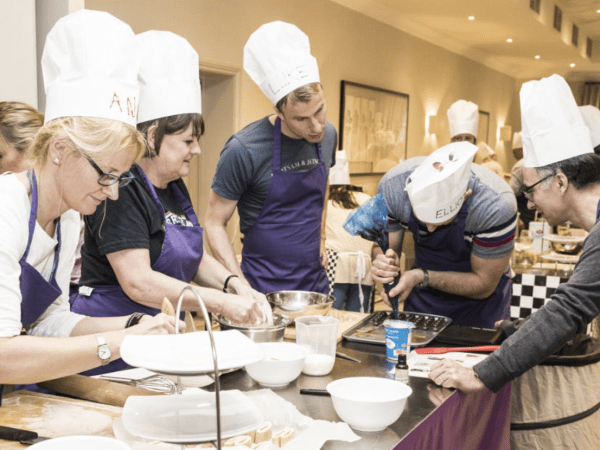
pixel 156 383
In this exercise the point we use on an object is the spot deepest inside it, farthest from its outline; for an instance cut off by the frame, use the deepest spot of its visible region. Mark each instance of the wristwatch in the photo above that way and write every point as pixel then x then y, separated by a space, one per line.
pixel 425 281
pixel 104 352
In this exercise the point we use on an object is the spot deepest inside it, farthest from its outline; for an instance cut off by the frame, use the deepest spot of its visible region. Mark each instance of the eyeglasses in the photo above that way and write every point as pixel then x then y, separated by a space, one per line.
pixel 528 190
pixel 108 179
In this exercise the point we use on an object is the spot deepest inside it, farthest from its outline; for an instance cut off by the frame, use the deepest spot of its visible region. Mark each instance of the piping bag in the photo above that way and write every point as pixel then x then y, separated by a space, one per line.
pixel 370 222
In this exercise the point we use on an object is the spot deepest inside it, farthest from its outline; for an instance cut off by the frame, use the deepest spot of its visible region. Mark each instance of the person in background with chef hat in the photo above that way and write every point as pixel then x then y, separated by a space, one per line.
pixel 562 179
pixel 526 215
pixel 275 170
pixel 485 157
pixel 349 256
pixel 147 245
pixel 463 220
pixel 463 120
pixel 79 158
pixel 19 122
pixel 591 118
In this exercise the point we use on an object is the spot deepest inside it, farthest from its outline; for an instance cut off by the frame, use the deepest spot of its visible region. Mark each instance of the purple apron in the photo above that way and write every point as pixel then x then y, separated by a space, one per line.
pixel 443 250
pixel 37 294
pixel 179 258
pixel 282 246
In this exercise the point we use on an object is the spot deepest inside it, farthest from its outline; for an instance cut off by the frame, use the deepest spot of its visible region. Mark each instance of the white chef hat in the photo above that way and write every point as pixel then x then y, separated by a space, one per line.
pixel 591 118
pixel 463 118
pixel 437 187
pixel 169 76
pixel 277 58
pixel 484 151
pixel 340 173
pixel 553 129
pixel 517 140
pixel 90 65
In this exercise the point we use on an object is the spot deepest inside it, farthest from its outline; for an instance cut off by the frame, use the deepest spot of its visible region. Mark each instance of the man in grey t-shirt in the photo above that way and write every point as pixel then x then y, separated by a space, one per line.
pixel 462 217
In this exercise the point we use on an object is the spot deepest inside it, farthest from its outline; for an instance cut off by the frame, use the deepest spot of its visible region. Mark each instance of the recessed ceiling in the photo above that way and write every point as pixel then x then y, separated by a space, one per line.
pixel 484 39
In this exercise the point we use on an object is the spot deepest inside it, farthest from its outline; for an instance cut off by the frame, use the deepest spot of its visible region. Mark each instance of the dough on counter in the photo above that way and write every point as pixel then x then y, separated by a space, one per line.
pixel 268 445
pixel 263 433
pixel 284 436
pixel 243 440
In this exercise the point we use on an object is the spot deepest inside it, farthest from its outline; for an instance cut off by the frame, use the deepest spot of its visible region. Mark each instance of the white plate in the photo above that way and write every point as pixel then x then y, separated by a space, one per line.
pixel 190 418
pixel 189 353
pixel 564 239
pixel 566 259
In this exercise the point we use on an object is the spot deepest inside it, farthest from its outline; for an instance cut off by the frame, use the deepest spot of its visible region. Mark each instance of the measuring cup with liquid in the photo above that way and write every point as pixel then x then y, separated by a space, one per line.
pixel 318 334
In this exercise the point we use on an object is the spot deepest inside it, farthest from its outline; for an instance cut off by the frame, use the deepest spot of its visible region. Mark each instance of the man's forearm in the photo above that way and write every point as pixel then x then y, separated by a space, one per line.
pixel 222 250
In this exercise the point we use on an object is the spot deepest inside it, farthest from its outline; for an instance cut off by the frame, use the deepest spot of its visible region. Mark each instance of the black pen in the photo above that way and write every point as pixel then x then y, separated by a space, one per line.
pixel 322 392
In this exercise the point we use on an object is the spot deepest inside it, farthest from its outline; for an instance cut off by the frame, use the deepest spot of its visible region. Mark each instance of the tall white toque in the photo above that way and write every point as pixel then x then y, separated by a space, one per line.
pixel 591 118
pixel 169 76
pixel 437 187
pixel 90 66
pixel 277 58
pixel 553 129
pixel 463 118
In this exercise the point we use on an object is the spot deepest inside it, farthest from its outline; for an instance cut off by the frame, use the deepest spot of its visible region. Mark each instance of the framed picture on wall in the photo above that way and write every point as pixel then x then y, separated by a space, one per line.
pixel 373 127
pixel 484 127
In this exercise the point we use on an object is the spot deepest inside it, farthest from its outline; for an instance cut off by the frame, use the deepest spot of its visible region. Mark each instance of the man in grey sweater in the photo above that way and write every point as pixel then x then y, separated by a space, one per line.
pixel 562 178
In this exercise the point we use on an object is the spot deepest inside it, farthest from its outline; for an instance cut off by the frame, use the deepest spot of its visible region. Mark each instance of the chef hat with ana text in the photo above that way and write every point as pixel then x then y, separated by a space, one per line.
pixel 340 173
pixel 90 66
pixel 437 187
pixel 463 118
pixel 553 129
pixel 591 118
pixel 169 76
pixel 277 58
pixel 517 140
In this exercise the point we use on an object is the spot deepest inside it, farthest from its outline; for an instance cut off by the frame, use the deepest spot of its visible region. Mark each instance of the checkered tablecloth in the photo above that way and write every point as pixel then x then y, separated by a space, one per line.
pixel 531 292
pixel 332 257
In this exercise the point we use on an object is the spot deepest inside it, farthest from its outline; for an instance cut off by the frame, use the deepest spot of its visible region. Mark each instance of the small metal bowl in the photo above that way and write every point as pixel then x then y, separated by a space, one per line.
pixel 300 303
pixel 569 248
pixel 273 333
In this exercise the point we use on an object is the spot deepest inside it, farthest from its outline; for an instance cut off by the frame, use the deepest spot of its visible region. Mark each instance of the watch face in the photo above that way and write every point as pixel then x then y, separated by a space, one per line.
pixel 104 352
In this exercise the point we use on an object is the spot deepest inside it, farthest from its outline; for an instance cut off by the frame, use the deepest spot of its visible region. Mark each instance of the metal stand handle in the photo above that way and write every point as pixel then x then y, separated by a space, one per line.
pixel 214 353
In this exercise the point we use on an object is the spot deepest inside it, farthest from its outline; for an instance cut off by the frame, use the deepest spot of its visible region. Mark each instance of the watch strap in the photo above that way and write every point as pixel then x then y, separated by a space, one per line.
pixel 425 281
pixel 103 349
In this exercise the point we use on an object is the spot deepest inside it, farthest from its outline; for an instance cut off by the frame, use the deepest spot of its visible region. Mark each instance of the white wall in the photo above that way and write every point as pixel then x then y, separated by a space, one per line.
pixel 18 75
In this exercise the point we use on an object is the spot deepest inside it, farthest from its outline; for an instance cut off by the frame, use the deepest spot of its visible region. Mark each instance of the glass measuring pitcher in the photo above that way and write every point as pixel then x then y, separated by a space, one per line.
pixel 318 334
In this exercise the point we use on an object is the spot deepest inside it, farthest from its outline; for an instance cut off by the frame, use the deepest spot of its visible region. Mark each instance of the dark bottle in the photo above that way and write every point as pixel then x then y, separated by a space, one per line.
pixel 402 369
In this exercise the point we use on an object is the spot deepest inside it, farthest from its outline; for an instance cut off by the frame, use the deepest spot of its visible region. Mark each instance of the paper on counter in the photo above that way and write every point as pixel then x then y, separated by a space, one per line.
pixel 419 365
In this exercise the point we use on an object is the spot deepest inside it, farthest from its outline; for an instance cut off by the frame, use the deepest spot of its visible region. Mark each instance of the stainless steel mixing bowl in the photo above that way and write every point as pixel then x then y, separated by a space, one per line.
pixel 300 303
pixel 273 333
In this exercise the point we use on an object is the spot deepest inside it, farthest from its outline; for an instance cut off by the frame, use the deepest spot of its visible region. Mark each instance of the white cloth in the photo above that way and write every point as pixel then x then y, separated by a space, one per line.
pixel 553 129
pixel 169 76
pixel 277 58
pixel 591 118
pixel 437 187
pixel 517 140
pixel 57 320
pixel 340 173
pixel 463 118
pixel 90 66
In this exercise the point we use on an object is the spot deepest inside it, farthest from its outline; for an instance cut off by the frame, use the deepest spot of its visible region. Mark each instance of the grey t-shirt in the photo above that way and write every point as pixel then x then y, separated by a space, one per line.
pixel 244 170
pixel 492 217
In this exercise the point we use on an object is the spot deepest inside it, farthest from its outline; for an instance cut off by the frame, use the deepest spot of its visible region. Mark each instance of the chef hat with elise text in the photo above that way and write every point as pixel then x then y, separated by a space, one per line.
pixel 463 118
pixel 169 76
pixel 591 118
pixel 90 66
pixel 517 141
pixel 553 129
pixel 277 58
pixel 437 187
pixel 340 173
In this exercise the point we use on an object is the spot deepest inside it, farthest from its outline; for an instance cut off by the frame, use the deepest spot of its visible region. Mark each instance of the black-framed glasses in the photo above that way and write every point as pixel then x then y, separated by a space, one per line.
pixel 108 179
pixel 528 190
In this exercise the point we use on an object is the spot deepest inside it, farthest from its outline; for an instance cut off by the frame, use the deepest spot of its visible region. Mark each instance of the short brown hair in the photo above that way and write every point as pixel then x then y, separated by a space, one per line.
pixel 19 122
pixel 170 125
pixel 303 94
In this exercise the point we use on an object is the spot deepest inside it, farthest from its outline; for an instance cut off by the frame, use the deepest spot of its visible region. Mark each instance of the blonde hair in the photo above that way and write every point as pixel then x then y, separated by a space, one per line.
pixel 303 94
pixel 19 122
pixel 92 136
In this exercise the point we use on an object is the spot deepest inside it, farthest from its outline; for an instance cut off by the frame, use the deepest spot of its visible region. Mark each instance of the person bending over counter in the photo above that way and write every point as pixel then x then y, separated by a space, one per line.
pixel 82 138
pixel 147 245
pixel 462 217
pixel 562 178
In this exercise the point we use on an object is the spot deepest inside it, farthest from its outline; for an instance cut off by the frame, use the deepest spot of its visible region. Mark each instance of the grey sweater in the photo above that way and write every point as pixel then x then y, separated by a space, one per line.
pixel 573 305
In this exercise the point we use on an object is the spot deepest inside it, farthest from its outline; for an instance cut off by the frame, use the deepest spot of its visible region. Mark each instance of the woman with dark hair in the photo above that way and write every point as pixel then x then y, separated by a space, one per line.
pixel 147 246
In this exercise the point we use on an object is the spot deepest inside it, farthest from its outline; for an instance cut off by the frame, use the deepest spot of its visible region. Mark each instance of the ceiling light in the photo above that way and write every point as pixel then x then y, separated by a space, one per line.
pixel 572 64
pixel 509 40
pixel 537 56
pixel 471 17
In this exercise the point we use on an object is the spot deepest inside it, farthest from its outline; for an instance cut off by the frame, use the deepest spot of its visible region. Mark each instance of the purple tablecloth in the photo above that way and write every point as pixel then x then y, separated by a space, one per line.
pixel 464 422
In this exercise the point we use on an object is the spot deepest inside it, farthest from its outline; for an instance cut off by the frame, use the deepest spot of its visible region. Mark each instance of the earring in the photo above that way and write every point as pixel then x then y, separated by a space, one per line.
pixel 56 160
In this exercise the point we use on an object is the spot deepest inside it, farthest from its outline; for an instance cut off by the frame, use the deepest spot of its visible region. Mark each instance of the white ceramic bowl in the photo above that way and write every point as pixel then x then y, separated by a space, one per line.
pixel 368 403
pixel 281 365
pixel 81 442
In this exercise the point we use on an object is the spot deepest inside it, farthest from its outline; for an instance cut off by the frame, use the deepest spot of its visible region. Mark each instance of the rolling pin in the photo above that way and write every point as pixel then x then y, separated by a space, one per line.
pixel 93 389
